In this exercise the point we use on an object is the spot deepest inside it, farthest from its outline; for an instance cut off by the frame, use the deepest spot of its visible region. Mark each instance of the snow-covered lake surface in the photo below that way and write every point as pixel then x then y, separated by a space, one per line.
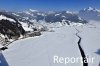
pixel 91 41
pixel 40 50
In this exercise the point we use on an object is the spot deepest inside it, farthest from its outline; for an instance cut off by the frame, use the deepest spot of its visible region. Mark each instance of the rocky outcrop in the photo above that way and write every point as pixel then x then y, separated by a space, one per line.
pixel 9 26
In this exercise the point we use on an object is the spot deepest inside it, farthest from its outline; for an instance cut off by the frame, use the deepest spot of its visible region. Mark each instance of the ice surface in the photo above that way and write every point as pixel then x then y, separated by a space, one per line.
pixel 39 51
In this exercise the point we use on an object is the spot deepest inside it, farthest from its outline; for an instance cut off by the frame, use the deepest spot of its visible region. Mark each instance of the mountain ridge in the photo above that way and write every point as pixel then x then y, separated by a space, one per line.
pixel 90 14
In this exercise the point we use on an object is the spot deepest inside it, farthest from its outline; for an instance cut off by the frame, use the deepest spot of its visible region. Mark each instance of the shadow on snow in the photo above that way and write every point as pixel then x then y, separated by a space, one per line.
pixel 3 61
pixel 98 52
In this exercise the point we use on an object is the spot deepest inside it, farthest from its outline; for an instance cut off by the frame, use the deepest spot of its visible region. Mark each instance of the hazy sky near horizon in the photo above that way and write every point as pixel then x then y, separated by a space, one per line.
pixel 48 5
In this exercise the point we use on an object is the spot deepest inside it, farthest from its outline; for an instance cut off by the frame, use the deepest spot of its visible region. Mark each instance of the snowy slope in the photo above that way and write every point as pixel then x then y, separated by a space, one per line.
pixel 39 51
pixel 91 41
pixel 6 18
pixel 25 27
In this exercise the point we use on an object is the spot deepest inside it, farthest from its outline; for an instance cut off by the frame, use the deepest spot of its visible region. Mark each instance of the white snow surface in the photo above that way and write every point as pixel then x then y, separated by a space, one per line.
pixel 40 50
pixel 25 27
pixel 6 18
pixel 91 41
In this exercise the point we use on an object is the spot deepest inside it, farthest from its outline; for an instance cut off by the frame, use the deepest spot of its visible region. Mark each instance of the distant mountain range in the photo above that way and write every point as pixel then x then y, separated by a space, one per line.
pixel 34 16
pixel 15 23
pixel 90 14
pixel 51 17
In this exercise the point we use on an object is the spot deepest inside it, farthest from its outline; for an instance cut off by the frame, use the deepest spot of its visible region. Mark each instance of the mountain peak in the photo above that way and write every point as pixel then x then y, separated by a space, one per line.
pixel 69 12
pixel 90 14
pixel 89 8
pixel 6 18
pixel 33 10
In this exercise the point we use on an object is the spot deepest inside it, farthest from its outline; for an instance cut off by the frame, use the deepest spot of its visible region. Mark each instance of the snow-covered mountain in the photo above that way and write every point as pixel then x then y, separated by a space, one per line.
pixel 90 14
pixel 15 24
pixel 10 27
pixel 69 40
pixel 31 15
pixel 34 19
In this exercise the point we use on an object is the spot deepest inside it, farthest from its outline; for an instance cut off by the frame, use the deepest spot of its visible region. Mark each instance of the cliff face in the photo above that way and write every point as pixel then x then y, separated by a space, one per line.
pixel 9 26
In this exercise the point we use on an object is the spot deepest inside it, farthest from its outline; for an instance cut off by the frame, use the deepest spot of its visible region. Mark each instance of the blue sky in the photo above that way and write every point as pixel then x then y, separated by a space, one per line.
pixel 48 5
